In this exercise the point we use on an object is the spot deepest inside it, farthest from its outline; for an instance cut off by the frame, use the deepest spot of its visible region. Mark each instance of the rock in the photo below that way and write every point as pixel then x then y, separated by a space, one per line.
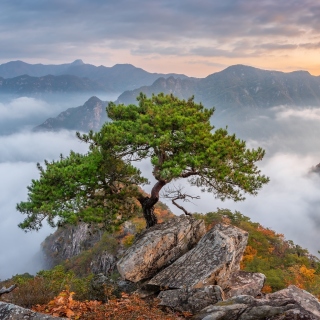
pixel 104 263
pixel 159 246
pixel 305 299
pixel 69 241
pixel 13 312
pixel 211 262
pixel 100 288
pixel 190 299
pixel 126 286
pixel 245 283
pixel 287 304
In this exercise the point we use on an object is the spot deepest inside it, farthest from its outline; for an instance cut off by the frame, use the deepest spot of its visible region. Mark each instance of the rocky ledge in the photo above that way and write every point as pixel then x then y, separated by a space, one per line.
pixel 10 311
pixel 201 274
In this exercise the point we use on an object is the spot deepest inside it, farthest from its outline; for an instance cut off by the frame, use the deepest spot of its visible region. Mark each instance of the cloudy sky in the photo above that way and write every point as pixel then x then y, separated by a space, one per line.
pixel 184 36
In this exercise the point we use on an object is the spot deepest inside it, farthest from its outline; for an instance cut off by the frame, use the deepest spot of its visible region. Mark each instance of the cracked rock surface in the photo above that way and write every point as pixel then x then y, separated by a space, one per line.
pixel 10 311
pixel 287 304
pixel 216 256
pixel 159 246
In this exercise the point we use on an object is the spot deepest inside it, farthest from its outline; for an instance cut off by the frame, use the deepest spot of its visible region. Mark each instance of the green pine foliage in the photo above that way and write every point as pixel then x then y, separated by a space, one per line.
pixel 93 187
pixel 178 139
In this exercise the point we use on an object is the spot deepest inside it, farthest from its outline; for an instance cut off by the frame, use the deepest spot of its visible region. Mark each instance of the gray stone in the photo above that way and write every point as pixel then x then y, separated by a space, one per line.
pixel 190 299
pixel 100 287
pixel 10 311
pixel 104 263
pixel 287 304
pixel 245 283
pixel 69 241
pixel 159 246
pixel 211 262
pixel 305 299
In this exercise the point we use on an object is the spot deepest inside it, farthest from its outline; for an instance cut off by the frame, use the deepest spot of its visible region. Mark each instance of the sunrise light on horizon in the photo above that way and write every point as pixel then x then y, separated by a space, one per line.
pixel 194 38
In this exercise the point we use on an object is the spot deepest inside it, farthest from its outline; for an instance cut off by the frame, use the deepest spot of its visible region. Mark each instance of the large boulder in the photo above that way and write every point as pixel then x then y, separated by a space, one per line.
pixel 159 246
pixel 244 283
pixel 211 262
pixel 190 299
pixel 301 297
pixel 287 304
pixel 10 311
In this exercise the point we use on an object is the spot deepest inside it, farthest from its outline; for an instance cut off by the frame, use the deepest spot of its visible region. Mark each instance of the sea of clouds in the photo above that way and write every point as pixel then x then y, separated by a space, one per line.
pixel 289 204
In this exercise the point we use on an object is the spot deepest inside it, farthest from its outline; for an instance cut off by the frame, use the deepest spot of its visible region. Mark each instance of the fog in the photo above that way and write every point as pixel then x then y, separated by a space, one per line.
pixel 289 204
pixel 20 150
pixel 24 113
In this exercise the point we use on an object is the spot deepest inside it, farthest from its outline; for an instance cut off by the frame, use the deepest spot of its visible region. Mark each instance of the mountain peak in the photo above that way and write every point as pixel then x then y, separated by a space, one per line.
pixel 77 62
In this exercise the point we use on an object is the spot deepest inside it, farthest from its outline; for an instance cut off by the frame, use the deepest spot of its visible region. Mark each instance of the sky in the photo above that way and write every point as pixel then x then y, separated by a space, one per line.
pixel 196 38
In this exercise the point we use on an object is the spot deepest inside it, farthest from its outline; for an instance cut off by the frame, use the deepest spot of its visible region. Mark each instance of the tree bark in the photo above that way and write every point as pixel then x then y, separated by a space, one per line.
pixel 7 290
pixel 148 203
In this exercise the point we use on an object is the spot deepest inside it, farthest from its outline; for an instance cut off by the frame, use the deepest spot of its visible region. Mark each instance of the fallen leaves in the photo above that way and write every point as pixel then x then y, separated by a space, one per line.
pixel 129 307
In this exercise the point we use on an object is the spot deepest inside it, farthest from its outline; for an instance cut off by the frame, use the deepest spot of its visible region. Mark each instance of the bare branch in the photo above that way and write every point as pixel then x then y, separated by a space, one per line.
pixel 7 290
pixel 176 194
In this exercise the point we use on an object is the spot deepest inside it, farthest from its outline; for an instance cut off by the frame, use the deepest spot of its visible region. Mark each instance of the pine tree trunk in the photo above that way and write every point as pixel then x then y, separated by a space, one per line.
pixel 148 211
pixel 148 204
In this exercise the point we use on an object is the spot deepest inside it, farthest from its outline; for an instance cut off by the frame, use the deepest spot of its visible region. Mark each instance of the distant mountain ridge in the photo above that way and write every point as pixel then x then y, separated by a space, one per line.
pixel 239 86
pixel 26 84
pixel 234 91
pixel 117 79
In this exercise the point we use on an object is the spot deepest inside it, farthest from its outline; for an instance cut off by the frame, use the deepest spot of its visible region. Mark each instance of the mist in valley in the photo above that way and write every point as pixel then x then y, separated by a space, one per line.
pixel 20 150
pixel 289 204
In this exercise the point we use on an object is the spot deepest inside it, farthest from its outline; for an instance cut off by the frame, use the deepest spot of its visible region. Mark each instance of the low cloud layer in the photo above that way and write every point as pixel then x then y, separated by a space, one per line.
pixel 24 113
pixel 19 153
pixel 18 156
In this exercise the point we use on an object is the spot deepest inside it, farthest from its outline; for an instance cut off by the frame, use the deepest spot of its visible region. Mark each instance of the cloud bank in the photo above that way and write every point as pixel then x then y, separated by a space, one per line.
pixel 19 153
pixel 18 156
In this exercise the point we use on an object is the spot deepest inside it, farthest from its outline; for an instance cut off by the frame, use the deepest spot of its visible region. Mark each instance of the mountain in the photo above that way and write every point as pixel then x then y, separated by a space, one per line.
pixel 88 117
pixel 48 84
pixel 235 92
pixel 182 88
pixel 240 86
pixel 18 68
pixel 116 79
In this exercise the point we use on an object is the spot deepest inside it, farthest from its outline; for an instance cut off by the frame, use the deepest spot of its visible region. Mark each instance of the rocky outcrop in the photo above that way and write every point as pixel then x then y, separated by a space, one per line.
pixel 68 242
pixel 10 311
pixel 190 299
pixel 211 262
pixel 301 297
pixel 104 263
pixel 287 304
pixel 159 246
pixel 244 283
pixel 207 282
